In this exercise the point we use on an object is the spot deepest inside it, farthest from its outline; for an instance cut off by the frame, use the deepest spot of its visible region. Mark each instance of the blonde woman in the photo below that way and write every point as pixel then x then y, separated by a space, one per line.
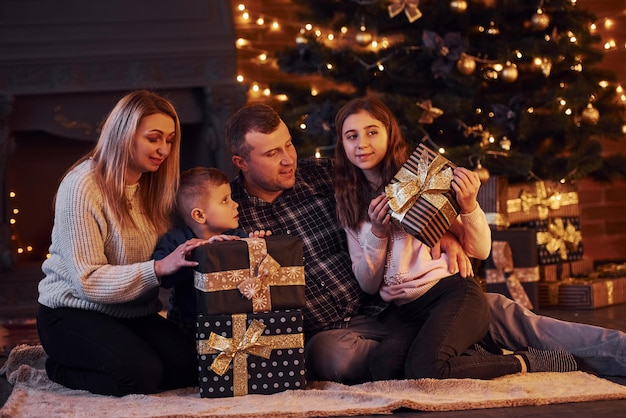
pixel 98 317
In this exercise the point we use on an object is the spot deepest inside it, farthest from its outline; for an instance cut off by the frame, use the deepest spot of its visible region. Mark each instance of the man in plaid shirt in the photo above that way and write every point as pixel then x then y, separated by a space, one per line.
pixel 343 325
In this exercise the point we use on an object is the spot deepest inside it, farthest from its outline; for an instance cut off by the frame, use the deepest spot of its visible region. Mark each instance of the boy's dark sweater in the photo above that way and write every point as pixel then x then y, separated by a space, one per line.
pixel 182 302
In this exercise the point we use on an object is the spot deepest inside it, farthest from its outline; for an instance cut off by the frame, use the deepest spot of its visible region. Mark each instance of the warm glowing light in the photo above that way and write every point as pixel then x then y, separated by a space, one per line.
pixel 442 150
pixel 245 16
pixel 20 250
pixel 282 97
pixel 11 194
pixel 29 248
pixel 240 78
pixel 608 23
pixel 255 87
pixel 267 92
pixel 12 221
pixel 241 7
pixel 329 66
pixel 242 42
pixel 314 91
pixel 303 126
pixel 330 36
pixel 275 25
pixel 568 111
pixel 263 57
pixel 604 84
pixel 308 26
pixel 16 211
pixel 344 29
pixel 260 21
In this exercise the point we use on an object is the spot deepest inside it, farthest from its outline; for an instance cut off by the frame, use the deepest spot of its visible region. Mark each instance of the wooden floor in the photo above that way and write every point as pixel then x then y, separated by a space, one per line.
pixel 17 326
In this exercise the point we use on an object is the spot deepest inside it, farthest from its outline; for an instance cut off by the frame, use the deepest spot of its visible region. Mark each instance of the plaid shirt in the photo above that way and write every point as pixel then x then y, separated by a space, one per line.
pixel 308 211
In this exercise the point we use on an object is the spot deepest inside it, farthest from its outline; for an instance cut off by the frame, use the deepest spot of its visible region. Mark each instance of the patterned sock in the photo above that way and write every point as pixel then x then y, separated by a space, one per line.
pixel 548 361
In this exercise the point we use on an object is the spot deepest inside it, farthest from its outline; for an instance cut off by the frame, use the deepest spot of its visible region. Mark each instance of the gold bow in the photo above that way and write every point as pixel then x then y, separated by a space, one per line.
pixel 409 7
pixel 430 180
pixel 243 342
pixel 229 347
pixel 263 267
pixel 560 237
pixel 543 201
pixel 253 283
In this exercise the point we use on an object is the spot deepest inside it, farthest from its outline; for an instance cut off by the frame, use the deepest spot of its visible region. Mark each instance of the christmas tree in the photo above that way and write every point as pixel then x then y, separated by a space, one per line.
pixel 511 87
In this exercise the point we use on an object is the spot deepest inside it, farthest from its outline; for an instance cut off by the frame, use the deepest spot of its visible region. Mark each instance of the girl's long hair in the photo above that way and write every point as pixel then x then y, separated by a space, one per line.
pixel 352 190
pixel 114 152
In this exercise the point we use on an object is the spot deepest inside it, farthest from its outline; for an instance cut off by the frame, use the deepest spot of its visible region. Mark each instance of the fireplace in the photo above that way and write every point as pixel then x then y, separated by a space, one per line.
pixel 64 64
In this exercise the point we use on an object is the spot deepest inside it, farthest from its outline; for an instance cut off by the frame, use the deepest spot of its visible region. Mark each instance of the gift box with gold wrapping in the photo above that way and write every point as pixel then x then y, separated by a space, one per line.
pixel 492 198
pixel 420 198
pixel 511 268
pixel 564 270
pixel 541 200
pixel 582 293
pixel 558 239
pixel 253 353
pixel 250 275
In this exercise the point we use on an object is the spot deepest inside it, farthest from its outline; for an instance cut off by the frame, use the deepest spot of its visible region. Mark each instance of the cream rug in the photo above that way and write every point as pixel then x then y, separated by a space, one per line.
pixel 34 395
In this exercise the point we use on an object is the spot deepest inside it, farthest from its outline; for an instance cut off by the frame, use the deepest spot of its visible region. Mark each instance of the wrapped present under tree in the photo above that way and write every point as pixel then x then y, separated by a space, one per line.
pixel 420 197
pixel 511 268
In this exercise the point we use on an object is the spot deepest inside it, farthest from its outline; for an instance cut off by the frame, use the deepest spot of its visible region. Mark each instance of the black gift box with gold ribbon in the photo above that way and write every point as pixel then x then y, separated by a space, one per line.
pixel 583 293
pixel 420 198
pixel 250 275
pixel 512 269
pixel 558 239
pixel 250 353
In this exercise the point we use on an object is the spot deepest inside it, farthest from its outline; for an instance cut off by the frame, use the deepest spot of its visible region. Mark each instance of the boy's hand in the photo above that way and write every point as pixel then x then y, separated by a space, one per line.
pixel 465 184
pixel 260 234
pixel 222 237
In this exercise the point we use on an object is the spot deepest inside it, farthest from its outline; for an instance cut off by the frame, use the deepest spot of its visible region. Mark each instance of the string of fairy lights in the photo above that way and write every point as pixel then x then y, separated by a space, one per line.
pixel 254 55
pixel 359 36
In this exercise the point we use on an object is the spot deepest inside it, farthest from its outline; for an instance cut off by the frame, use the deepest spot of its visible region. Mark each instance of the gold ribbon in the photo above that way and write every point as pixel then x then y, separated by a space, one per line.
pixel 430 181
pixel 409 7
pixel 560 237
pixel 243 342
pixel 541 201
pixel 253 283
pixel 503 261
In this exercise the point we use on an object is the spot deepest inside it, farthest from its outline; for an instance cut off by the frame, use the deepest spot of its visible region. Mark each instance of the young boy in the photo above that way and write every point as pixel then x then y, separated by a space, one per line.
pixel 209 213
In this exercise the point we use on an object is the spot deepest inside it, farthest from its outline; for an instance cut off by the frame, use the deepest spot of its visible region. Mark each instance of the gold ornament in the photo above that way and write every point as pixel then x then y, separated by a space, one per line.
pixel 540 21
pixel 363 38
pixel 458 6
pixel 590 114
pixel 408 6
pixel 483 173
pixel 430 113
pixel 466 64
pixel 509 72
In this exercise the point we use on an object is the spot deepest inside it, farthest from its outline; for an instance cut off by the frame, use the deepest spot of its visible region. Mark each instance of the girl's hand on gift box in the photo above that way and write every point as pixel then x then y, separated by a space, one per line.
pixel 465 184
pixel 177 259
pixel 260 234
pixel 379 216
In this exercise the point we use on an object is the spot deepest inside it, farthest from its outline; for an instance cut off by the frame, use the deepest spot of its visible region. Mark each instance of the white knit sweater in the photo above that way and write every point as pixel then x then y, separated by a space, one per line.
pixel 401 267
pixel 93 263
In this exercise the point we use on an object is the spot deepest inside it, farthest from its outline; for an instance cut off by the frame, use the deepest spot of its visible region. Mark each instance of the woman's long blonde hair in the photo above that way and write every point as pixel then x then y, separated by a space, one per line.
pixel 114 153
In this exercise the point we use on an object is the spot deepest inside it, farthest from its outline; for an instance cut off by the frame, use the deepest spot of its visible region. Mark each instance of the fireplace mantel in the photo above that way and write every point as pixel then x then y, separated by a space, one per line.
pixel 64 64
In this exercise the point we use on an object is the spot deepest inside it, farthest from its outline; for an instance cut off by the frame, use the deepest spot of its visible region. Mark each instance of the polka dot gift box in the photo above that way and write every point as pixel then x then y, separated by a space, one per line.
pixel 250 353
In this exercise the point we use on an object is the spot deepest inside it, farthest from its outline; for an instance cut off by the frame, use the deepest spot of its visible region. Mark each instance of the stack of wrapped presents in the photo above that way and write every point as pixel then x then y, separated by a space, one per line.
pixel 537 254
pixel 250 295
